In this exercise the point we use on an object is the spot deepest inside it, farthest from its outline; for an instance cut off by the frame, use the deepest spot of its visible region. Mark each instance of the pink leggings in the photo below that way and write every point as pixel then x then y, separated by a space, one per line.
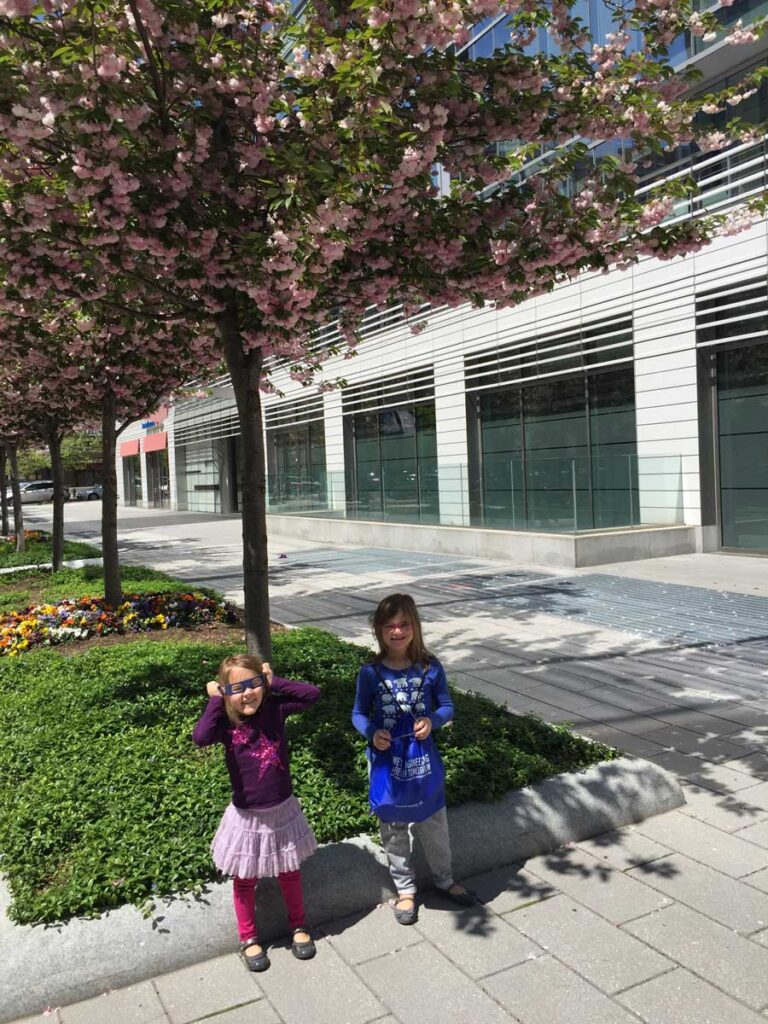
pixel 244 893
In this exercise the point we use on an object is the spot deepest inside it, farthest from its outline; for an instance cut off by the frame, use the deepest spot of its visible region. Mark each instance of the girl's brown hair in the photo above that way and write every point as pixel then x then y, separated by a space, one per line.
pixel 390 607
pixel 249 661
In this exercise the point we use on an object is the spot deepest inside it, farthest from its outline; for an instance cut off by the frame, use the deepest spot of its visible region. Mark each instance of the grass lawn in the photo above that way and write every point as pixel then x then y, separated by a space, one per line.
pixel 38 550
pixel 18 590
pixel 105 800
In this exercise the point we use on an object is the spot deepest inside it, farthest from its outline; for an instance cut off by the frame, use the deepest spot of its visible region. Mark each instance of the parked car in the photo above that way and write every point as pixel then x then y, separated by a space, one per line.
pixel 36 490
pixel 90 492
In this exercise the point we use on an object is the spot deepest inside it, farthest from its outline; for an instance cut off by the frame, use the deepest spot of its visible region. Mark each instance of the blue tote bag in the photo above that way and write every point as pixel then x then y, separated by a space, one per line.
pixel 407 781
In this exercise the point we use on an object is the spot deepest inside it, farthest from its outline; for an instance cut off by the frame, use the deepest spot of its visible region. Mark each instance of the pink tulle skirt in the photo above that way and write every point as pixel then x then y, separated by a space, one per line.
pixel 262 843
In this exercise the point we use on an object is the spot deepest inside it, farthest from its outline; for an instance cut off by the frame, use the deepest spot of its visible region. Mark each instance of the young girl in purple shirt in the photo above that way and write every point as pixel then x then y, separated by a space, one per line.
pixel 263 832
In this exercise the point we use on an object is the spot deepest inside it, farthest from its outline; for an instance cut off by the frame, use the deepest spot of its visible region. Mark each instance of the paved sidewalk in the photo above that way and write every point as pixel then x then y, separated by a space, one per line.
pixel 665 922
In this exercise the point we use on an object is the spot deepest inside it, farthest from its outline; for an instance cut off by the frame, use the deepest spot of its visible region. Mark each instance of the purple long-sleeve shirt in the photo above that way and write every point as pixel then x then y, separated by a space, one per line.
pixel 256 751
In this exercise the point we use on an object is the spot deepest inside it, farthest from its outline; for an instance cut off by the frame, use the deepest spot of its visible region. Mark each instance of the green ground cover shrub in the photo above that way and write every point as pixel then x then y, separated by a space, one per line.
pixel 38 550
pixel 105 800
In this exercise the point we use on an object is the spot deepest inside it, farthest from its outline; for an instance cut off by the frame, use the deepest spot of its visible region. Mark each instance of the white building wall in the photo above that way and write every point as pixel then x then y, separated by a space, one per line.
pixel 334 450
pixel 172 482
pixel 661 296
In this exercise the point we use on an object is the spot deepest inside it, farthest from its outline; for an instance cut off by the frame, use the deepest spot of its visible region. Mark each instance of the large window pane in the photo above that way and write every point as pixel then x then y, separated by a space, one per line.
pixel 297 473
pixel 395 467
pixel 613 439
pixel 560 454
pixel 742 387
pixel 503 499
pixel 557 477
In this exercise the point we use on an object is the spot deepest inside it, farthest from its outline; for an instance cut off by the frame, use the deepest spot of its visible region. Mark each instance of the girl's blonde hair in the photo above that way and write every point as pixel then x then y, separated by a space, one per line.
pixel 249 661
pixel 390 607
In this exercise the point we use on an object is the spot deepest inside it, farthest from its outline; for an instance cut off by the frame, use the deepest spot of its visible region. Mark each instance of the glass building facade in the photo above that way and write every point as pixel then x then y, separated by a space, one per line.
pixel 392 455
pixel 296 467
pixel 742 412
pixel 558 454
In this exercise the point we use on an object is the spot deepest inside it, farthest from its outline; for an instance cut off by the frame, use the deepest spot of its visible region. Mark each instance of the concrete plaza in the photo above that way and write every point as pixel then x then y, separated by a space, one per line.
pixel 664 922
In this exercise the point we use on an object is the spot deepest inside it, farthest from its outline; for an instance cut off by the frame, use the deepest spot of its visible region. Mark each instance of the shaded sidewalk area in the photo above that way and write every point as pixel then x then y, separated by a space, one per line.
pixel 664 922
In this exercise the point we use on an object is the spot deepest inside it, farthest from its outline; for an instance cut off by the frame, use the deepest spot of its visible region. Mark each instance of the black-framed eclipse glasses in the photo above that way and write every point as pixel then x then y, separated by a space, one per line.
pixel 254 683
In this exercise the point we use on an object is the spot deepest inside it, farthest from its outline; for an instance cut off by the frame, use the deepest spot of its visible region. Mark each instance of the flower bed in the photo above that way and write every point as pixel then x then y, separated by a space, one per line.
pixel 49 624
pixel 8 541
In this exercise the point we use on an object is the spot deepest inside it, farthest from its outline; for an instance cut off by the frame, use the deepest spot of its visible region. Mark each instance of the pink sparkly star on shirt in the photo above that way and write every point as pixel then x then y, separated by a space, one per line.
pixel 240 736
pixel 267 754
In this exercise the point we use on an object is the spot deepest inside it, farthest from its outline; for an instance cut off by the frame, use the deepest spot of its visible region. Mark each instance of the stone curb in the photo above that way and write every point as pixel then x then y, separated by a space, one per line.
pixel 58 965
pixel 74 563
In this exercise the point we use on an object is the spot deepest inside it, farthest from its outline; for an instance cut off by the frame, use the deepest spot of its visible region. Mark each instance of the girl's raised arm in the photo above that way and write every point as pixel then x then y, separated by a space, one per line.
pixel 295 696
pixel 210 725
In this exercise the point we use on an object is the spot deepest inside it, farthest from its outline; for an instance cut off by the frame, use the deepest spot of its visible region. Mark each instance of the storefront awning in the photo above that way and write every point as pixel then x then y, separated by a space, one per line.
pixel 129 448
pixel 155 442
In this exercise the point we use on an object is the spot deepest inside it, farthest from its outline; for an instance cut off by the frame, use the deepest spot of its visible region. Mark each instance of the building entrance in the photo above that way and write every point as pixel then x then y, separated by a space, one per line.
pixel 158 486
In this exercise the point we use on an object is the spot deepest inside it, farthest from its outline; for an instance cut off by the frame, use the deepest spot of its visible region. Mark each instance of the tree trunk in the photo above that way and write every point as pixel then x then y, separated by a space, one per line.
pixel 245 370
pixel 3 496
pixel 18 515
pixel 112 586
pixel 57 472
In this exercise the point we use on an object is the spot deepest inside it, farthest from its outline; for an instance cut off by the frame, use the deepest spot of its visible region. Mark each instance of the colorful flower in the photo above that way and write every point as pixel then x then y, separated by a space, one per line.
pixel 48 624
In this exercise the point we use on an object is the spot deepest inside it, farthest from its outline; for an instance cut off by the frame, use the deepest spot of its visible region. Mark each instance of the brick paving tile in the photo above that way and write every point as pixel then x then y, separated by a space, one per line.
pixel 509 888
pixel 543 991
pixel 731 813
pixel 720 778
pixel 708 891
pixel 596 949
pixel 613 894
pixel 755 833
pixel 324 987
pixel 137 1004
pixel 733 963
pixel 252 1013
pixel 479 941
pixel 421 986
pixel 723 851
pixel 682 998
pixel 712 749
pixel 623 849
pixel 210 987
pixel 370 934
pixel 755 765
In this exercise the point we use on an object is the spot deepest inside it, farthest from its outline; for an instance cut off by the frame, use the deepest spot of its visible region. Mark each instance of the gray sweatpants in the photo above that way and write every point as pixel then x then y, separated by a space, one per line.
pixel 397 839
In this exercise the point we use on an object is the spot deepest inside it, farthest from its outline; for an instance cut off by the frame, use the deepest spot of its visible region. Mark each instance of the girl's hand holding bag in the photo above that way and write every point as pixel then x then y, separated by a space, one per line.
pixel 407 780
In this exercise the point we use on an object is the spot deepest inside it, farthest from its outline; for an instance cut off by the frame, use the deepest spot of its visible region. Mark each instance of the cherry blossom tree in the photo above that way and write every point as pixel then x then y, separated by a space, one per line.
pixel 38 411
pixel 3 491
pixel 13 434
pixel 225 167
pixel 68 371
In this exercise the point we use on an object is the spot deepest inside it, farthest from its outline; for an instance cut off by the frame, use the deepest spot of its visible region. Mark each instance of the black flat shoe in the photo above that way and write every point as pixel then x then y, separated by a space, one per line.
pixel 303 950
pixel 463 898
pixel 403 916
pixel 254 961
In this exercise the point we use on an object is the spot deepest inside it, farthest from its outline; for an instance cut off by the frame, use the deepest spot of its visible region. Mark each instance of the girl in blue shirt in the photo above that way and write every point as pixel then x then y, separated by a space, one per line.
pixel 406 678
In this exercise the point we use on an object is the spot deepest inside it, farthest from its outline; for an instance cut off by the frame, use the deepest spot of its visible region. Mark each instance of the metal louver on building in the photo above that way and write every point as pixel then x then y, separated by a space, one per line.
pixel 604 342
pixel 416 386
pixel 206 419
pixel 287 414
pixel 733 312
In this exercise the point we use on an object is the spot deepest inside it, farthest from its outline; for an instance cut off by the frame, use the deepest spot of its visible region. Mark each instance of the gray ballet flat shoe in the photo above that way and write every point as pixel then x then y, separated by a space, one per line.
pixel 403 916
pixel 254 961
